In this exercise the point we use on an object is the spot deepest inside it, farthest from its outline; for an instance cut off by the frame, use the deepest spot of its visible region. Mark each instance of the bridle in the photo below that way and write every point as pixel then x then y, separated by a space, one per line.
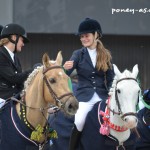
pixel 118 103
pixel 54 95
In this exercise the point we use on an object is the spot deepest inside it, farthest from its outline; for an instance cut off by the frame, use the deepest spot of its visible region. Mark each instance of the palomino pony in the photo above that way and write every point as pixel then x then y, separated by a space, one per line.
pixel 24 124
pixel 108 124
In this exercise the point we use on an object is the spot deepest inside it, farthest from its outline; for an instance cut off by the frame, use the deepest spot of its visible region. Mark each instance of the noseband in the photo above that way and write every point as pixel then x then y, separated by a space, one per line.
pixel 118 103
pixel 54 95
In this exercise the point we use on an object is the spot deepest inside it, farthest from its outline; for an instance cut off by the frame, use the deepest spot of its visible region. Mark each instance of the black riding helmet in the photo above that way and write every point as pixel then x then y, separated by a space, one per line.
pixel 14 29
pixel 89 26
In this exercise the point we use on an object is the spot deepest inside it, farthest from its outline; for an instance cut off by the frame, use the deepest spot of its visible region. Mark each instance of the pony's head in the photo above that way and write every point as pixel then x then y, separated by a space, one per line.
pixel 56 85
pixel 48 84
pixel 125 93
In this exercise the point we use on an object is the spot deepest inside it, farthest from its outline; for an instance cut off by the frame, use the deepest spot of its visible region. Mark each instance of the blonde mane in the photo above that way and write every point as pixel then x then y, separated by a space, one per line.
pixel 30 78
pixel 34 103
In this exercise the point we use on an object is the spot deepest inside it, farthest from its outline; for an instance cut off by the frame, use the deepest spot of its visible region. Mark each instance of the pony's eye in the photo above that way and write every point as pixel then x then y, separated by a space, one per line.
pixel 52 80
pixel 118 91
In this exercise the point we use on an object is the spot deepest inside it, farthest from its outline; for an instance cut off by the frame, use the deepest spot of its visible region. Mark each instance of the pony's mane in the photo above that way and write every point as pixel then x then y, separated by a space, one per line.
pixel 125 74
pixel 31 77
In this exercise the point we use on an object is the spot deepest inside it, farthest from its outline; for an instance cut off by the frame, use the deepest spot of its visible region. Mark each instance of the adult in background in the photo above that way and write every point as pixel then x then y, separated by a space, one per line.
pixel 95 73
pixel 143 143
pixel 13 38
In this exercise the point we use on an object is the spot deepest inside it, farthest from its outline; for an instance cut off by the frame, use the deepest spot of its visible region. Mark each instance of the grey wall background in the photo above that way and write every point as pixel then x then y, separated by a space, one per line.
pixel 6 11
pixel 126 51
pixel 51 25
pixel 63 16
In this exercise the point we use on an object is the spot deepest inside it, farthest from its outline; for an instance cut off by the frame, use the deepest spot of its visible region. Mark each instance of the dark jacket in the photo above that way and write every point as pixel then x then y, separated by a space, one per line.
pixel 11 75
pixel 143 142
pixel 90 80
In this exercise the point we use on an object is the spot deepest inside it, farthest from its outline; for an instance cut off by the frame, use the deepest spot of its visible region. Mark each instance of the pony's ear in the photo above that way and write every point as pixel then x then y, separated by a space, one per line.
pixel 59 58
pixel 117 72
pixel 46 60
pixel 135 71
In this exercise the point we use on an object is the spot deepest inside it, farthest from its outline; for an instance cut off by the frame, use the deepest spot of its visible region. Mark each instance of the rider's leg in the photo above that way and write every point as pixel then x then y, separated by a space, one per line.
pixel 74 139
pixel 80 117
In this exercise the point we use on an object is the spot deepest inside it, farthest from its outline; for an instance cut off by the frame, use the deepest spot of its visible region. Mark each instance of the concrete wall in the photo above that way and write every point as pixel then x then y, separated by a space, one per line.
pixel 64 16
pixel 6 12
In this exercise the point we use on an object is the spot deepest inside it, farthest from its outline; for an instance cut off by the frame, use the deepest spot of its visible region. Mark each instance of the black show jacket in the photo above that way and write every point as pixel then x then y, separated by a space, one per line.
pixel 11 75
pixel 90 80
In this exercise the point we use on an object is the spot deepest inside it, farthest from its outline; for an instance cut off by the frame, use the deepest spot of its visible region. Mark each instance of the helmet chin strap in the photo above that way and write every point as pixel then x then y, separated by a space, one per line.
pixel 14 42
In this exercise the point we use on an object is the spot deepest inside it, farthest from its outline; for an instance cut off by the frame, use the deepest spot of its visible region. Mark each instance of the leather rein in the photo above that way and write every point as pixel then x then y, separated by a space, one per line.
pixel 54 95
pixel 118 103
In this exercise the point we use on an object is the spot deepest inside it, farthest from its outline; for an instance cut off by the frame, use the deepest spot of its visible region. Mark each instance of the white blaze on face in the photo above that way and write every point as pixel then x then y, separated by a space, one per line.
pixel 60 73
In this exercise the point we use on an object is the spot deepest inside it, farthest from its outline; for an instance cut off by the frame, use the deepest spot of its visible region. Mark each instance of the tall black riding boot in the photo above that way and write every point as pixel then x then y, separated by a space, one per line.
pixel 74 139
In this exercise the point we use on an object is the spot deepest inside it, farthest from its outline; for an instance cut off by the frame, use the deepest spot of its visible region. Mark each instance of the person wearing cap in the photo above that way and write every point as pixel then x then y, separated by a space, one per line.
pixel 13 38
pixel 95 73
pixel 143 127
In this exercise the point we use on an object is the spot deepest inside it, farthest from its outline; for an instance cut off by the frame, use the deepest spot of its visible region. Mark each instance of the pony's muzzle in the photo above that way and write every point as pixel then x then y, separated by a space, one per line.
pixel 130 121
pixel 71 106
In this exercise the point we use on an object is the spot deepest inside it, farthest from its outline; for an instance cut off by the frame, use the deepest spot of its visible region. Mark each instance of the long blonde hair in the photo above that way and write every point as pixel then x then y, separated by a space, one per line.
pixel 103 57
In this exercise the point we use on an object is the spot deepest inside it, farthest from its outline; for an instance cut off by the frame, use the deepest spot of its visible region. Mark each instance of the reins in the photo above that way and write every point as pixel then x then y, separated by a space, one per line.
pixel 55 97
pixel 22 103
pixel 106 125
pixel 118 103
pixel 45 128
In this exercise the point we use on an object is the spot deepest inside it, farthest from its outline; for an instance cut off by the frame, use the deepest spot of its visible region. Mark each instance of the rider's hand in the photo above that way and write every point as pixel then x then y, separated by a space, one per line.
pixel 68 65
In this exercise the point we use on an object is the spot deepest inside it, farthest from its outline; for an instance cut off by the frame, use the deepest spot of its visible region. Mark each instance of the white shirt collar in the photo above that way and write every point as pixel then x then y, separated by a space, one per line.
pixel 93 50
pixel 93 54
pixel 10 53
